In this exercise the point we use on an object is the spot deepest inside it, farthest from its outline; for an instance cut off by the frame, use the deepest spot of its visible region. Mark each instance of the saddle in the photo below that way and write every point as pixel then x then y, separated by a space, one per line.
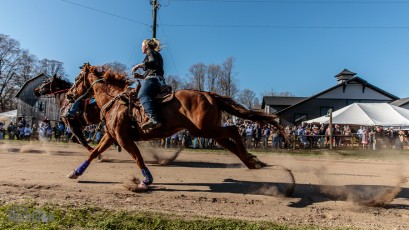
pixel 129 98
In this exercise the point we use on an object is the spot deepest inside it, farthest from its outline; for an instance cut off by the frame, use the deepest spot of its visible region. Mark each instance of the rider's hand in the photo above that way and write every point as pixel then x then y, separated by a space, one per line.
pixel 137 75
pixel 137 67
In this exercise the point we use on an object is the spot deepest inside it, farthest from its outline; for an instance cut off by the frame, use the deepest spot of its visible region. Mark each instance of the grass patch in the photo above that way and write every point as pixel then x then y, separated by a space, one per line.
pixel 30 216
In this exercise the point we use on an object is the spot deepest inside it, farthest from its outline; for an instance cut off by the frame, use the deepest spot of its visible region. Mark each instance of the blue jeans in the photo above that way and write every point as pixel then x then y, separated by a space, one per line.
pixel 76 105
pixel 74 108
pixel 148 91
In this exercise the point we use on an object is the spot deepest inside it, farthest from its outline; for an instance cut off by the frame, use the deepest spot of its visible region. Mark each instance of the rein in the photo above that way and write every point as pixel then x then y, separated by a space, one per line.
pixel 60 91
pixel 57 92
pixel 89 89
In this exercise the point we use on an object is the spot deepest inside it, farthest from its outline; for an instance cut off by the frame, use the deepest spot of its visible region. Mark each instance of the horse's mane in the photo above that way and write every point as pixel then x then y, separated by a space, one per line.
pixel 64 81
pixel 110 77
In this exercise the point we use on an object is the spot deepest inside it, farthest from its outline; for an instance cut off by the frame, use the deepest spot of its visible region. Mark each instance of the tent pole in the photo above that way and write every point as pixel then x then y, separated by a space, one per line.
pixel 330 129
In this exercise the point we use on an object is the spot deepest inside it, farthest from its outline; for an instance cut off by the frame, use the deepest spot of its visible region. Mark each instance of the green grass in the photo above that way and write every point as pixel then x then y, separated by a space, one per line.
pixel 28 216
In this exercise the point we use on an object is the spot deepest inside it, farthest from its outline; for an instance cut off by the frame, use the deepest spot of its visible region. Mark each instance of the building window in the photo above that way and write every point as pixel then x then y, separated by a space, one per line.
pixel 352 101
pixel 325 109
pixel 39 106
pixel 298 118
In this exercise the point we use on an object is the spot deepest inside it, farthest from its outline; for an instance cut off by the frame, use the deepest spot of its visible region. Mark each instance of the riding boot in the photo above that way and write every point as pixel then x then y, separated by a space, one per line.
pixel 73 110
pixel 152 123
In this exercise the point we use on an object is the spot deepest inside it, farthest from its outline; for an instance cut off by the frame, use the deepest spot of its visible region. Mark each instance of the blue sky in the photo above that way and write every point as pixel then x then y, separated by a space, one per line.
pixel 296 45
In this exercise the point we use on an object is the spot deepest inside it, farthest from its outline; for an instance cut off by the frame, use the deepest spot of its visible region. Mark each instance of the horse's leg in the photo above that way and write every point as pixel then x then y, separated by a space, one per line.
pixel 248 159
pixel 103 145
pixel 81 139
pixel 129 145
pixel 229 137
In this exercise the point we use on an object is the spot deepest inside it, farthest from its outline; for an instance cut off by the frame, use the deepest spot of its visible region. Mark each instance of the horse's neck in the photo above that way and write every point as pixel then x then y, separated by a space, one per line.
pixel 103 93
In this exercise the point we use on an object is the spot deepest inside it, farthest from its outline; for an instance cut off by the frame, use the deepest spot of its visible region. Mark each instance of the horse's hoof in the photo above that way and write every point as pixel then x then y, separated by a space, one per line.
pixel 72 175
pixel 143 186
pixel 140 188
pixel 260 165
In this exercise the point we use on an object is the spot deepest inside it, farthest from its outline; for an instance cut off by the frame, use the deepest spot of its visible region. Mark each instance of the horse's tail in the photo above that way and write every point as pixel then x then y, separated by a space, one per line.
pixel 230 106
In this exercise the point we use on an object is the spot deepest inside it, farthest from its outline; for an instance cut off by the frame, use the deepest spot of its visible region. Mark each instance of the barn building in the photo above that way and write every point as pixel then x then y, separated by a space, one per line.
pixel 403 103
pixel 34 109
pixel 348 90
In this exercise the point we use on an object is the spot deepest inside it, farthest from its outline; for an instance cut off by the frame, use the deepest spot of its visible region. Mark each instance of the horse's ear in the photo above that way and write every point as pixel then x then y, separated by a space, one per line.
pixel 55 76
pixel 85 66
pixel 107 75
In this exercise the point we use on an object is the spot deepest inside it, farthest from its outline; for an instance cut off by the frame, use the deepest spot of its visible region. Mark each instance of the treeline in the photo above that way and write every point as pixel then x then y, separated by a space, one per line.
pixel 17 66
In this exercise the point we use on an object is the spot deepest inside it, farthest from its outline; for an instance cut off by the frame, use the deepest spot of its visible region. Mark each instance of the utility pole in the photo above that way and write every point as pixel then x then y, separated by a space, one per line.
pixel 155 6
pixel 330 129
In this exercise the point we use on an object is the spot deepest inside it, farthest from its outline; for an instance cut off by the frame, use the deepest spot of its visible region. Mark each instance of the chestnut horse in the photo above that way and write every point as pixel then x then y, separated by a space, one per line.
pixel 90 111
pixel 198 112
pixel 90 114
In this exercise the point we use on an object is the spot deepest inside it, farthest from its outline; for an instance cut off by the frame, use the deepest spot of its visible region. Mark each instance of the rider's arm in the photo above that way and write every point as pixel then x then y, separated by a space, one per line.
pixel 150 61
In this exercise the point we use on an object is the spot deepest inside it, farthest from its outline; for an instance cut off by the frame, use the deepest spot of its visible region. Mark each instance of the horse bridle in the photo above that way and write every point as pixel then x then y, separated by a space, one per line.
pixel 83 76
pixel 50 82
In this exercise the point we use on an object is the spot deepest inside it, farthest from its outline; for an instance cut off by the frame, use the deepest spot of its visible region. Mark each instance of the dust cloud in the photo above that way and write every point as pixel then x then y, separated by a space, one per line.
pixel 369 190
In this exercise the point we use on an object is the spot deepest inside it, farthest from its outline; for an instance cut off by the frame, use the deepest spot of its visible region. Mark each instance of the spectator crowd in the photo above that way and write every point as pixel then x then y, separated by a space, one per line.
pixel 254 135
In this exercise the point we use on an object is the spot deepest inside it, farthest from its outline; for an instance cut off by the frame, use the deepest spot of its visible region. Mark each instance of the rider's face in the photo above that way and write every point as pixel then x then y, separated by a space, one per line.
pixel 144 47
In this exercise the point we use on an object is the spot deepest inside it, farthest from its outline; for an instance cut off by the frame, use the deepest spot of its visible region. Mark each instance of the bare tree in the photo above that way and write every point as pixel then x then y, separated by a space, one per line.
pixel 52 67
pixel 213 74
pixel 227 82
pixel 272 92
pixel 17 66
pixel 248 99
pixel 10 60
pixel 117 67
pixel 174 81
pixel 28 68
pixel 197 74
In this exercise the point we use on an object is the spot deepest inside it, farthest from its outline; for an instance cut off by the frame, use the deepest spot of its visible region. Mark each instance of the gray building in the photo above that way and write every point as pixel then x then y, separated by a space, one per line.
pixel 35 109
pixel 404 103
pixel 349 89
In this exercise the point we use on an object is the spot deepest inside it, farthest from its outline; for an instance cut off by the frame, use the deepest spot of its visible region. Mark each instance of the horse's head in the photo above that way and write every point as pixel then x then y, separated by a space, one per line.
pixel 88 76
pixel 82 83
pixel 52 85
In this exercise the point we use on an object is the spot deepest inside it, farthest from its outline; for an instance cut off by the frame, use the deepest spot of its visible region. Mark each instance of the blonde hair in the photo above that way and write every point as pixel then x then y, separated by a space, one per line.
pixel 153 44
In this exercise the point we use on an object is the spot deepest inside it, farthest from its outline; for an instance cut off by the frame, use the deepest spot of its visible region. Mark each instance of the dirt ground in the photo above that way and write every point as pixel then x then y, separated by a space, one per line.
pixel 329 191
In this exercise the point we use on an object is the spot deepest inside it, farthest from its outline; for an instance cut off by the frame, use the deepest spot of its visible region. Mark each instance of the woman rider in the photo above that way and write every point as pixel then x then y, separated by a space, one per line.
pixel 153 79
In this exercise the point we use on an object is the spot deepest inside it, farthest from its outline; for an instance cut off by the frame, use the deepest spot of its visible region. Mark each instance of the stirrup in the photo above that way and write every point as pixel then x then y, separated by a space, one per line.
pixel 151 124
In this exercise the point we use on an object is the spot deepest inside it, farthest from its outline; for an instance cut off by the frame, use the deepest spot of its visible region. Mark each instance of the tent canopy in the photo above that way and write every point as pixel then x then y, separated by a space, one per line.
pixel 368 114
pixel 7 117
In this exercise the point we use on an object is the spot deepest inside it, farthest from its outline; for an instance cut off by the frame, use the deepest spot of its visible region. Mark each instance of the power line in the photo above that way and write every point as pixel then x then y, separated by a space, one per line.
pixel 296 1
pixel 170 51
pixel 286 27
pixel 245 26
pixel 105 12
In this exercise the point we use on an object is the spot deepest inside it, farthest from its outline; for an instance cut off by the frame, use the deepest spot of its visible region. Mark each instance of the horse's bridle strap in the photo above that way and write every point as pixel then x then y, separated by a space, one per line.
pixel 89 89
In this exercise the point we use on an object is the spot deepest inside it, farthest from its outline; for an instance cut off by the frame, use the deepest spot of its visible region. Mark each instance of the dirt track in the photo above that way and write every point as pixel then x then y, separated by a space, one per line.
pixel 329 192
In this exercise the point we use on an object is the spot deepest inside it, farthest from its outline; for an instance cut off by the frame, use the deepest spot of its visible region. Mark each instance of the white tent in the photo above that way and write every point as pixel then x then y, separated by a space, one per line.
pixel 7 117
pixel 368 114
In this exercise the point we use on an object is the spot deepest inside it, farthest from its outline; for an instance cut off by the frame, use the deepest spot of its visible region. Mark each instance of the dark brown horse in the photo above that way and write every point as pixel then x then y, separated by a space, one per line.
pixel 53 85
pixel 90 114
pixel 198 112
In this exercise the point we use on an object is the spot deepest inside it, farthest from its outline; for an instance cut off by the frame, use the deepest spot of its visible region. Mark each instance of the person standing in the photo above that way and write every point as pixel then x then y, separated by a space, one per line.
pixel 249 135
pixel 257 135
pixel 365 138
pixel 153 80
pixel 27 132
pixel 11 130
pixel 265 136
pixel 1 130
